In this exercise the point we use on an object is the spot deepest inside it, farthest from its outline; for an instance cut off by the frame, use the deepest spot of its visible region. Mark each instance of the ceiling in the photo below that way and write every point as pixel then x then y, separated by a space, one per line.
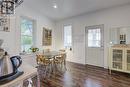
pixel 70 8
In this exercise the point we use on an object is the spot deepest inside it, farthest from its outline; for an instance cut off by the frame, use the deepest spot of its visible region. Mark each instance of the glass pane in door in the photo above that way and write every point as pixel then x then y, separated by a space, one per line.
pixel 128 59
pixel 117 58
pixel 117 55
pixel 117 65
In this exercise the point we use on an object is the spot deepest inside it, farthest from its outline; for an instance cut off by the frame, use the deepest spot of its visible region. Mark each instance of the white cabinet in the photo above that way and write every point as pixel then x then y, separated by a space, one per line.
pixel 127 51
pixel 120 59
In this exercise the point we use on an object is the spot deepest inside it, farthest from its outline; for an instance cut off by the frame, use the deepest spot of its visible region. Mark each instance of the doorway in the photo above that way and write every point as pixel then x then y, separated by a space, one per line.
pixel 94 40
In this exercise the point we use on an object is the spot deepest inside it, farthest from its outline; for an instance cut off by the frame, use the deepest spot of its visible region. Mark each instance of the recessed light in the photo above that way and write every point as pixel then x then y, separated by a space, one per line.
pixel 55 6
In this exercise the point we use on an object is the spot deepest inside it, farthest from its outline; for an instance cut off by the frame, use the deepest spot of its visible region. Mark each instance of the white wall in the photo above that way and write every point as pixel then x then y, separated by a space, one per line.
pixel 116 32
pixel 113 17
pixel 12 38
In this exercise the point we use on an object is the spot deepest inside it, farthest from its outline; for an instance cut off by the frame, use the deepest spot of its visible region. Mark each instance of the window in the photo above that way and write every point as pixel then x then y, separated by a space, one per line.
pixel 26 34
pixel 67 36
pixel 94 38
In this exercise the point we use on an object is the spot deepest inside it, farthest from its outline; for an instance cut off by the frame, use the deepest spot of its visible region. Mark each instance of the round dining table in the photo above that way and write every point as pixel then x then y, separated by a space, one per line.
pixel 51 53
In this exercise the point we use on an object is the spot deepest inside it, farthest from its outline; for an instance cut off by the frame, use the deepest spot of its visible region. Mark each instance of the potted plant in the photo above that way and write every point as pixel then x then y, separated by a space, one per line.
pixel 34 49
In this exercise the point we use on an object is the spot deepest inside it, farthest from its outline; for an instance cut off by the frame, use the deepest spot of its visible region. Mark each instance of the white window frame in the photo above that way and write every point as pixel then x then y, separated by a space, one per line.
pixel 33 31
pixel 94 39
pixel 64 36
pixel 101 27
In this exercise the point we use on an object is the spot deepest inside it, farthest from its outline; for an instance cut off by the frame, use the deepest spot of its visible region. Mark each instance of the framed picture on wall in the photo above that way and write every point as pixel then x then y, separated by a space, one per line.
pixel 47 37
pixel 4 24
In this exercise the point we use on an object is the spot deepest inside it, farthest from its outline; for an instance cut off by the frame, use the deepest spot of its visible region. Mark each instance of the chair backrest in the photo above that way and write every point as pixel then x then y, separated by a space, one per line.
pixel 41 59
pixel 61 57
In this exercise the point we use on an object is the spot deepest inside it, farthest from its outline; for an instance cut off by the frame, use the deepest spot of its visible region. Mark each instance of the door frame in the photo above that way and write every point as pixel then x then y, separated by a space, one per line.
pixel 102 43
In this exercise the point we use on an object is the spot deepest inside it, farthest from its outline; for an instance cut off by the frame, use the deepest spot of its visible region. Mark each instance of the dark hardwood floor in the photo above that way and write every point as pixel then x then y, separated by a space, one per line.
pixel 85 76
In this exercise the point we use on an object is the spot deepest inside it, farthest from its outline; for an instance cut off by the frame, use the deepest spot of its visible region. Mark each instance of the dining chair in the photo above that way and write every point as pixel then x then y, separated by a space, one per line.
pixel 63 55
pixel 45 64
pixel 60 61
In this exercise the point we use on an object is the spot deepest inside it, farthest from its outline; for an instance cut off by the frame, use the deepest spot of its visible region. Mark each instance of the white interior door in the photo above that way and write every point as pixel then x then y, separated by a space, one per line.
pixel 95 45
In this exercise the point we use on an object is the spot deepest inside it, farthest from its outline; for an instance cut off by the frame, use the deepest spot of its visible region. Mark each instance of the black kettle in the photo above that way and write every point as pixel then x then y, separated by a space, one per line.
pixel 9 75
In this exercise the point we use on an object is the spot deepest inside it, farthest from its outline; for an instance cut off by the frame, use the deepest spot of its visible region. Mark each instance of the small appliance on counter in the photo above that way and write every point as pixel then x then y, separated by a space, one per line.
pixel 9 66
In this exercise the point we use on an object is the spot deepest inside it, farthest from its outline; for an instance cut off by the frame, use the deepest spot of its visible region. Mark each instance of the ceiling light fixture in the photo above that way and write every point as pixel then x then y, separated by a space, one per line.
pixel 55 5
pixel 8 6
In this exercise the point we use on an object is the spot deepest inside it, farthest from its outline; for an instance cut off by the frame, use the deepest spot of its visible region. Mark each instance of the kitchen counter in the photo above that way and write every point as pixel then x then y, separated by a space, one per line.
pixel 30 59
pixel 29 71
